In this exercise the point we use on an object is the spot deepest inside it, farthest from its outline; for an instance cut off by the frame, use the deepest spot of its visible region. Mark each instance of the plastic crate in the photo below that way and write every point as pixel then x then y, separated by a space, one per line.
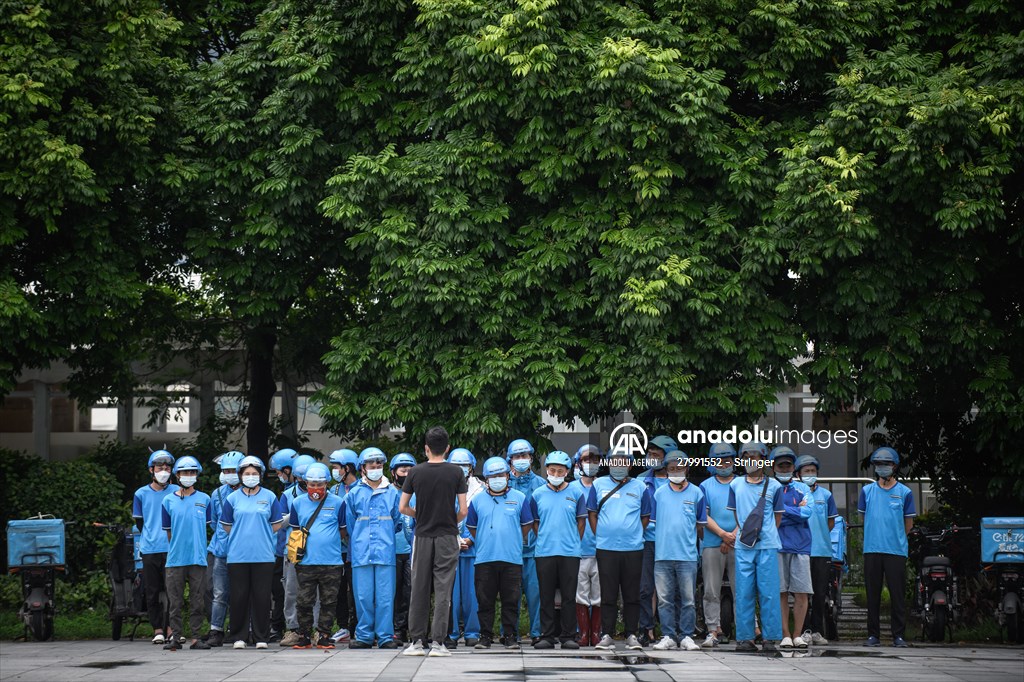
pixel 35 542
pixel 1002 539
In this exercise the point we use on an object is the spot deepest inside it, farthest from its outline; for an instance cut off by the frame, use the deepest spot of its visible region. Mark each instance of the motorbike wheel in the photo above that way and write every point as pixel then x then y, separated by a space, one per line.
pixel 41 625
pixel 937 628
pixel 727 615
pixel 832 622
pixel 116 625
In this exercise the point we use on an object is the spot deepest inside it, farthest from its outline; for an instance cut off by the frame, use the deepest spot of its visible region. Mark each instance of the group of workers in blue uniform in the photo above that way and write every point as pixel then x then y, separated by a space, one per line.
pixel 574 543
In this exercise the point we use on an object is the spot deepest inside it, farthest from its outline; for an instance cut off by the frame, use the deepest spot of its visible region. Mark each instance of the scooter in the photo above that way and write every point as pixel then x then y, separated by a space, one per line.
pixel 937 587
pixel 1002 552
pixel 35 551
pixel 838 568
pixel 128 592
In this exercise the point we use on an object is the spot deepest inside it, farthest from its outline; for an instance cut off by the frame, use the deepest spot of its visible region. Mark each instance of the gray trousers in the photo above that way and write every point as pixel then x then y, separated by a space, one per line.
pixel 433 562
pixel 291 596
pixel 713 564
pixel 175 579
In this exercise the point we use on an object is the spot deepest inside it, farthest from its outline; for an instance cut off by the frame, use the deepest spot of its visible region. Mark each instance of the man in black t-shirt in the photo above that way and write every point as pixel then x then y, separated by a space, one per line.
pixel 437 485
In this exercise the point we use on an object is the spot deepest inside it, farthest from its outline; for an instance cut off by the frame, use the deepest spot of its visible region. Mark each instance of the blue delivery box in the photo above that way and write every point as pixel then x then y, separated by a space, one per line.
pixel 35 542
pixel 1002 539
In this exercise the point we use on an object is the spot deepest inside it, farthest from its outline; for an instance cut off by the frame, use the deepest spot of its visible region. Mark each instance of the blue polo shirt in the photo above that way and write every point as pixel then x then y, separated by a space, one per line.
pixel 148 506
pixel 618 525
pixel 654 484
pixel 372 519
pixel 218 546
pixel 675 517
pixel 824 509
pixel 588 545
pixel 323 544
pixel 558 512
pixel 716 497
pixel 884 513
pixel 187 518
pixel 290 493
pixel 251 540
pixel 526 484
pixel 743 497
pixel 795 531
pixel 498 522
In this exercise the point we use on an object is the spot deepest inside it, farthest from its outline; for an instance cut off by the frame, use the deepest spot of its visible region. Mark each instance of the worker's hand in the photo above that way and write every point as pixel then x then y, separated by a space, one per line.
pixel 729 538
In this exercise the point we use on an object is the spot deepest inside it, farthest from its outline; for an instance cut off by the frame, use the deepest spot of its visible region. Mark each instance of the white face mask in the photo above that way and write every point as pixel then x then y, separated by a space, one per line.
pixel 590 469
pixel 521 465
pixel 374 474
pixel 618 473
pixel 336 475
pixel 162 477
pixel 497 484
pixel 284 479
pixel 556 480
pixel 251 480
pixel 229 479
pixel 465 471
pixel 677 478
pixel 187 481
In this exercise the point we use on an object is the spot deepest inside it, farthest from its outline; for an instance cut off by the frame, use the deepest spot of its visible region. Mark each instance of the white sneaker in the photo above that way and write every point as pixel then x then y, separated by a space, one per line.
pixel 786 643
pixel 606 643
pixel 816 638
pixel 710 642
pixel 438 650
pixel 158 638
pixel 240 644
pixel 415 649
pixel 665 643
pixel 633 643
pixel 799 642
pixel 261 645
pixel 689 644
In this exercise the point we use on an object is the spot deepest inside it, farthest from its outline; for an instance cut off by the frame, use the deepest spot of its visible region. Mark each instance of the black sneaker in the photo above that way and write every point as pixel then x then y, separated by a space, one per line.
pixel 172 644
pixel 304 642
pixel 450 643
pixel 199 644
pixel 745 646
pixel 534 640
pixel 543 644
pixel 483 643
pixel 356 644
pixel 570 644
pixel 275 636
pixel 215 638
pixel 471 642
pixel 769 646
pixel 390 644
pixel 511 642
pixel 645 639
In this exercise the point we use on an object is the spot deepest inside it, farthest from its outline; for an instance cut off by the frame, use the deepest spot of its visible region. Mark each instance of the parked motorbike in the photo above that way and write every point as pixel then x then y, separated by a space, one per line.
pixel 937 581
pixel 1002 553
pixel 35 552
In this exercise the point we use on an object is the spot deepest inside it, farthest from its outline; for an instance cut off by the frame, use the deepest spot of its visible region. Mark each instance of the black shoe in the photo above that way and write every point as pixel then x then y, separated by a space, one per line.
pixel 275 636
pixel 769 646
pixel 199 644
pixel 390 644
pixel 304 642
pixel 644 638
pixel 543 644
pixel 758 639
pixel 570 644
pixel 472 641
pixel 534 640
pixel 172 644
pixel 511 642
pixel 356 644
pixel 745 646
pixel 482 643
pixel 215 638
pixel 450 643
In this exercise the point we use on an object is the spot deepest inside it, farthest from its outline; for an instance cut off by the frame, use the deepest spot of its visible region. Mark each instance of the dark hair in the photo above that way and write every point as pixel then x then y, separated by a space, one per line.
pixel 437 440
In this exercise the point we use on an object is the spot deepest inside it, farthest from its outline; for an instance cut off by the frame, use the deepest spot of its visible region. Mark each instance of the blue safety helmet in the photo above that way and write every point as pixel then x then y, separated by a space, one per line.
pixel 806 460
pixel 664 443
pixel 371 455
pixel 344 456
pixel 160 457
pixel 722 450
pixel 760 448
pixel 885 455
pixel 520 446
pixel 317 472
pixel 230 460
pixel 782 452
pixel 584 449
pixel 187 463
pixel 402 459
pixel 283 458
pixel 495 465
pixel 252 460
pixel 558 457
pixel 300 464
pixel 462 456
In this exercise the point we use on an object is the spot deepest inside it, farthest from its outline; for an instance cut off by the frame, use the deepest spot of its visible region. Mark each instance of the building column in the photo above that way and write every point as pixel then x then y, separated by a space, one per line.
pixel 41 419
pixel 290 411
pixel 125 428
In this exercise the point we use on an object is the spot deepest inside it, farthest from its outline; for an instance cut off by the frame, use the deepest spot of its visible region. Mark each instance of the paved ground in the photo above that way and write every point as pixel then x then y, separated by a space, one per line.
pixel 111 661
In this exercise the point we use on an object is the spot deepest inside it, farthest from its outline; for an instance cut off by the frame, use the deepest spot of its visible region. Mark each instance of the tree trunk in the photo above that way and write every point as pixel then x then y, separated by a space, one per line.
pixel 261 392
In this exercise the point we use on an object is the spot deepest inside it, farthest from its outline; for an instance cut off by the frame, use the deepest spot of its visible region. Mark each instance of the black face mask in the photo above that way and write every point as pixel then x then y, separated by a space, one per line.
pixel 400 480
